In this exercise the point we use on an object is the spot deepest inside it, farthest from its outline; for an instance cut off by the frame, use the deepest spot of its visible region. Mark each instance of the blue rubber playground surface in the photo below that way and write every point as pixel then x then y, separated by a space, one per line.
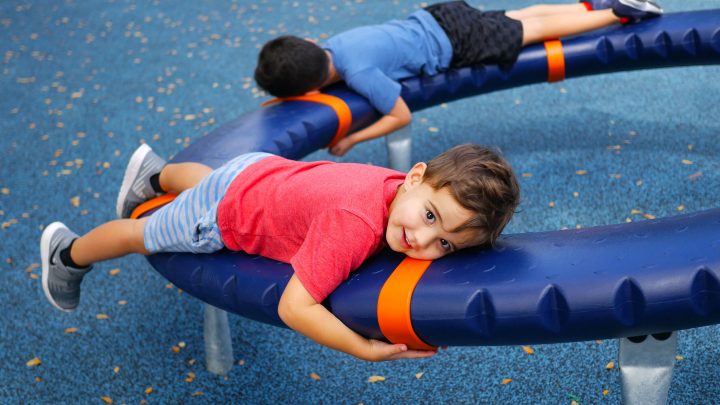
pixel 82 84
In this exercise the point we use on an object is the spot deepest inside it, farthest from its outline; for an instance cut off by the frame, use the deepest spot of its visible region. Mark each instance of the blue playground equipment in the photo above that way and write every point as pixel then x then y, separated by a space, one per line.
pixel 628 280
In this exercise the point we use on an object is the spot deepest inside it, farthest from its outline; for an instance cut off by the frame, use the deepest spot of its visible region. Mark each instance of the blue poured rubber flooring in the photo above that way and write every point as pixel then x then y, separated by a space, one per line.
pixel 83 83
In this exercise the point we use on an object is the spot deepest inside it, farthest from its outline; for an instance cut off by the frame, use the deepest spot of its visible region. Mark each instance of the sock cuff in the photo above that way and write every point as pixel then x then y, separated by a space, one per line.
pixel 155 183
pixel 66 258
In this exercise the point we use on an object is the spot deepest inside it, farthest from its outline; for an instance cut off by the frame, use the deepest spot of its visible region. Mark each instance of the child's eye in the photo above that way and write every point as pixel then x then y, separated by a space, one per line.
pixel 429 216
pixel 445 244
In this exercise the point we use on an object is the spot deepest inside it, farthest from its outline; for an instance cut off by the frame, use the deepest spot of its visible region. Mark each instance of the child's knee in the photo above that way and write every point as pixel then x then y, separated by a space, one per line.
pixel 136 237
pixel 524 13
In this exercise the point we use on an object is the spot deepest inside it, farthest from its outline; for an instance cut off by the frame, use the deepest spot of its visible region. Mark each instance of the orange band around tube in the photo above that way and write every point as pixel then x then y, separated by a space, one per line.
pixel 393 307
pixel 152 204
pixel 336 103
pixel 556 61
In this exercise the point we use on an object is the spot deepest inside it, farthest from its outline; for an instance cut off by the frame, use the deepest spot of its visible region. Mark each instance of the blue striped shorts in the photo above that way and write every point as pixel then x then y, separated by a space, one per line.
pixel 189 223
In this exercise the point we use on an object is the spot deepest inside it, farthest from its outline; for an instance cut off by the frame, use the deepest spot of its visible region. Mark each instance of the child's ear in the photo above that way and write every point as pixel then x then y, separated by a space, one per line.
pixel 415 175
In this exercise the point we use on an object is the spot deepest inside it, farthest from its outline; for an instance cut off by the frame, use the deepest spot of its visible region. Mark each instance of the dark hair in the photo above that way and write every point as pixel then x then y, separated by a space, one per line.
pixel 291 66
pixel 482 182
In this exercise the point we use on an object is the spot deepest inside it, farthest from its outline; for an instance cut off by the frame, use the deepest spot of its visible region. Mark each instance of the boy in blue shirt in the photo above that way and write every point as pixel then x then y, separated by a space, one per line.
pixel 372 59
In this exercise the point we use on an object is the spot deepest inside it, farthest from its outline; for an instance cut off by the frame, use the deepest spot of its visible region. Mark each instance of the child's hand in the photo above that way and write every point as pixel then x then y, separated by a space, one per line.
pixel 381 351
pixel 341 147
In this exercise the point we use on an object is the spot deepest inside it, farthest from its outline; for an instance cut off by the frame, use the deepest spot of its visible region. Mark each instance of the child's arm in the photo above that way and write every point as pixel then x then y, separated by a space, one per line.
pixel 299 310
pixel 397 118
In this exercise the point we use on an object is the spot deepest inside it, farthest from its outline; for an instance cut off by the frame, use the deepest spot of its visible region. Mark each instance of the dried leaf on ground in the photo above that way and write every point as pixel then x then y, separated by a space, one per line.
pixel 694 176
pixel 34 362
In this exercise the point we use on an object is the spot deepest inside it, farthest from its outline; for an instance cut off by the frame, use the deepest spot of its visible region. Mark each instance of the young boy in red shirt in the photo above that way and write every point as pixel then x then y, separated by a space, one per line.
pixel 323 218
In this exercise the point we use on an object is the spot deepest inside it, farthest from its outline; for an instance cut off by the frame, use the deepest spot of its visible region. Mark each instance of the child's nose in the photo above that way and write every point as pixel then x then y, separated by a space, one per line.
pixel 424 238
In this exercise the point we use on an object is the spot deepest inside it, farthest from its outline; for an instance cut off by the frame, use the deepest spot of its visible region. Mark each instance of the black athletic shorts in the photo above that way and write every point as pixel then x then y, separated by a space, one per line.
pixel 478 37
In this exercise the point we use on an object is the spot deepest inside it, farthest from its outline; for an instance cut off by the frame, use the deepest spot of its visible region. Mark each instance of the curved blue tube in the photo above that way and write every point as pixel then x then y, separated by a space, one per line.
pixel 595 283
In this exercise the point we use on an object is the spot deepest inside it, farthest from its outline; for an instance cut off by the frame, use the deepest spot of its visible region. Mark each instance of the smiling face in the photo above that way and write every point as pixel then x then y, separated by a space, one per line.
pixel 422 220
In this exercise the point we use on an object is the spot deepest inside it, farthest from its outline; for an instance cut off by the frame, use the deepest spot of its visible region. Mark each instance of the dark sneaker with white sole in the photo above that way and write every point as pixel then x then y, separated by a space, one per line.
pixel 136 187
pixel 636 10
pixel 61 283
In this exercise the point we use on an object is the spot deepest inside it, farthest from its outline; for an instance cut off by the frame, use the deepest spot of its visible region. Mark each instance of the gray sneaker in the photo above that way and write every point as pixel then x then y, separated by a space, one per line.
pixel 636 10
pixel 61 283
pixel 136 188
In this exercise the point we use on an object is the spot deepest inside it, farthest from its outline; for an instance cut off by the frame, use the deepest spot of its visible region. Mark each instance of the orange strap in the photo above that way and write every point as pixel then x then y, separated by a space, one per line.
pixel 152 204
pixel 556 61
pixel 336 103
pixel 393 307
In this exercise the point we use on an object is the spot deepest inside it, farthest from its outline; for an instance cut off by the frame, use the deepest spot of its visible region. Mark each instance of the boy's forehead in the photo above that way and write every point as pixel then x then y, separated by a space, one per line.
pixel 466 238
pixel 452 212
pixel 454 216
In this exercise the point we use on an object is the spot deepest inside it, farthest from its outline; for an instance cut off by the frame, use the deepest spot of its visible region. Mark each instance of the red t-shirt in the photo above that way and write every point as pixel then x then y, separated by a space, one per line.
pixel 323 218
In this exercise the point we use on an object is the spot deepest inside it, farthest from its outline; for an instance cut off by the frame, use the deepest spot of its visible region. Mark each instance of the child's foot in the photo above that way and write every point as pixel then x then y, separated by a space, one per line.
pixel 61 283
pixel 136 187
pixel 636 10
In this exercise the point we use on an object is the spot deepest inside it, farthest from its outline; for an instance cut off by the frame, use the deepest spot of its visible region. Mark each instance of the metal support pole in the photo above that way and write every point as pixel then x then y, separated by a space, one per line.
pixel 646 365
pixel 399 149
pixel 218 345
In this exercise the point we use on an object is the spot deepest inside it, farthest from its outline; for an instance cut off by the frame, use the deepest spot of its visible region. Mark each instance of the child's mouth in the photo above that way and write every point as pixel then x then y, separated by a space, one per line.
pixel 404 240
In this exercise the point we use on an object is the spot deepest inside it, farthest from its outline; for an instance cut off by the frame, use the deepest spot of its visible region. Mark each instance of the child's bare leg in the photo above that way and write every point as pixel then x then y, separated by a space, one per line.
pixel 110 240
pixel 541 10
pixel 539 29
pixel 178 177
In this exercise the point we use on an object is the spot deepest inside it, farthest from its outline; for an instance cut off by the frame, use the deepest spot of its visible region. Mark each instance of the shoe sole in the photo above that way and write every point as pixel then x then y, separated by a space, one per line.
pixel 646 6
pixel 45 256
pixel 130 173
